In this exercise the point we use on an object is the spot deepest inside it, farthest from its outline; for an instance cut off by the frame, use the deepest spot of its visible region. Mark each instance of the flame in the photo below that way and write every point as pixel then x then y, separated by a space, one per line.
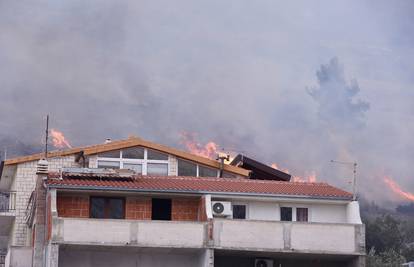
pixel 397 189
pixel 209 150
pixel 311 178
pixel 59 139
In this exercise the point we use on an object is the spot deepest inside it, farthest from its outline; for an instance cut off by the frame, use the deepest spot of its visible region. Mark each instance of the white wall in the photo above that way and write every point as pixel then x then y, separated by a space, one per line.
pixel 328 213
pixel 267 211
pixel 317 211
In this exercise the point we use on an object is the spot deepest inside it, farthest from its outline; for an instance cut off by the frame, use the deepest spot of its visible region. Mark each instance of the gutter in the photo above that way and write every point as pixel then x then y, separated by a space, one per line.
pixel 197 192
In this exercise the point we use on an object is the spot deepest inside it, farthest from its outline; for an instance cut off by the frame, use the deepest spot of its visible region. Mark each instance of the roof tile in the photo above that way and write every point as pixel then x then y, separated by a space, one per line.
pixel 197 184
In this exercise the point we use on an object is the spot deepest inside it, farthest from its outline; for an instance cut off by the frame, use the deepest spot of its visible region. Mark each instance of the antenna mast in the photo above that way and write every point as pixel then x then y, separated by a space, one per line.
pixel 354 182
pixel 47 135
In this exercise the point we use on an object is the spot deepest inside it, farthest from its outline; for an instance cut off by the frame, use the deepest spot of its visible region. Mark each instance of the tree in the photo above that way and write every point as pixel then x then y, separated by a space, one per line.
pixel 384 234
pixel 389 258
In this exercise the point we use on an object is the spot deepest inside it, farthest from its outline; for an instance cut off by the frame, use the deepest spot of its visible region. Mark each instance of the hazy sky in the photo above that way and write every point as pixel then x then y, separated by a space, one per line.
pixel 296 83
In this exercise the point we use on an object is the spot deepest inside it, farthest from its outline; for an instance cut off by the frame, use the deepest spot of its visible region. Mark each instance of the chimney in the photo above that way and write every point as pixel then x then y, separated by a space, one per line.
pixel 42 167
pixel 40 211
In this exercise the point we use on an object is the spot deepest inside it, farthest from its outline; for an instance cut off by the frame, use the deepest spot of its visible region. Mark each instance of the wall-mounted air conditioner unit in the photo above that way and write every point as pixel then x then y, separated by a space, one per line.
pixel 221 208
pixel 263 263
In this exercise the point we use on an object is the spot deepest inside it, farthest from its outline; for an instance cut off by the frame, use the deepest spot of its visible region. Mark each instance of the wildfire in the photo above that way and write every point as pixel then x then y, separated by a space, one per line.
pixel 59 140
pixel 208 150
pixel 397 189
pixel 311 178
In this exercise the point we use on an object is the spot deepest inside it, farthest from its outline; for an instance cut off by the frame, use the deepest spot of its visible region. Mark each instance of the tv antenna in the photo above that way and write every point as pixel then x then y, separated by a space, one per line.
pixel 47 135
pixel 354 180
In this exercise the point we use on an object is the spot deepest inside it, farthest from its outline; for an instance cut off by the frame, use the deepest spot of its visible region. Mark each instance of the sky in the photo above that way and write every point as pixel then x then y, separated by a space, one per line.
pixel 297 83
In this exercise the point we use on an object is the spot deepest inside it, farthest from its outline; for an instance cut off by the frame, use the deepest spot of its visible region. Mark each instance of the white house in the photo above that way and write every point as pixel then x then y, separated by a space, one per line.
pixel 137 203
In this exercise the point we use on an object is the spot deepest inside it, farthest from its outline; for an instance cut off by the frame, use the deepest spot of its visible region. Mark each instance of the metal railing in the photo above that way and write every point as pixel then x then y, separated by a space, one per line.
pixel 7 201
pixel 2 260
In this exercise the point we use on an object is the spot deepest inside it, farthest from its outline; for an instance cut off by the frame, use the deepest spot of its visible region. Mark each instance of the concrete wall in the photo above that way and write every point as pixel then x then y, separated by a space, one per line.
pixel 19 257
pixel 127 232
pixel 85 258
pixel 332 238
pixel 251 235
pixel 286 236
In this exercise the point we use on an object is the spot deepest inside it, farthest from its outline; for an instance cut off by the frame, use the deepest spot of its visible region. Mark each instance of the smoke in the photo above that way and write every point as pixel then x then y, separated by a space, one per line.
pixel 232 72
pixel 336 98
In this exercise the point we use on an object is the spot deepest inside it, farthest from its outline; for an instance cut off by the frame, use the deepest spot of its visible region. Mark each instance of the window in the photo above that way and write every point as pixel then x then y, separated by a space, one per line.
pixel 161 209
pixel 133 153
pixel 107 208
pixel 186 168
pixel 155 155
pixel 157 169
pixel 139 159
pixel 110 154
pixel 286 214
pixel 204 171
pixel 132 166
pixel 301 214
pixel 239 211
pixel 108 164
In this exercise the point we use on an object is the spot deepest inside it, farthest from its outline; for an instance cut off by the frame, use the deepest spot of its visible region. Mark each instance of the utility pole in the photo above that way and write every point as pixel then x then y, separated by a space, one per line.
pixel 354 182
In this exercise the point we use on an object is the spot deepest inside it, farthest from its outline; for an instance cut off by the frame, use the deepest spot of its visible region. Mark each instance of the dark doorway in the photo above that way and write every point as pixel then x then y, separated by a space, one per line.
pixel 161 209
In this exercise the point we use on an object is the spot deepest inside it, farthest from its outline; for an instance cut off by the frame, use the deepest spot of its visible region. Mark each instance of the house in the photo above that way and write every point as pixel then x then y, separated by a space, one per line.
pixel 137 203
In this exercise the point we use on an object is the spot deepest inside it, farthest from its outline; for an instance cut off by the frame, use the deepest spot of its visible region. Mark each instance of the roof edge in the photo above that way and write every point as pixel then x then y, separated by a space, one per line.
pixel 120 189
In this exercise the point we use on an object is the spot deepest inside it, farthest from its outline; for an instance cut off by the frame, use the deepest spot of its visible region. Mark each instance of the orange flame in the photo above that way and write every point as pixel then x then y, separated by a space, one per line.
pixel 209 150
pixel 307 179
pixel 59 139
pixel 397 189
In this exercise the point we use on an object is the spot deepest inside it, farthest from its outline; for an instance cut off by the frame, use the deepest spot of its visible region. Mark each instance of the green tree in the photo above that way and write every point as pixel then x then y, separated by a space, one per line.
pixel 389 258
pixel 383 234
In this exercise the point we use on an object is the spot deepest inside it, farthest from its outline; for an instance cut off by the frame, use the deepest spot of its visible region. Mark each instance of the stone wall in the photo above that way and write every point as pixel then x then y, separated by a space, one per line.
pixel 24 184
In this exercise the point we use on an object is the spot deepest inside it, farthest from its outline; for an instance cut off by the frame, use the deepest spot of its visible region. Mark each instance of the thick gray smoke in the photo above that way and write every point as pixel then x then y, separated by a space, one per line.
pixel 230 71
pixel 336 98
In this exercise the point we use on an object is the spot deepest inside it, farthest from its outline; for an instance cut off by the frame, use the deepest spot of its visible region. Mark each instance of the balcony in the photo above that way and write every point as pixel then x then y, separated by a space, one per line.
pixel 290 237
pixel 7 202
pixel 2 260
pixel 171 234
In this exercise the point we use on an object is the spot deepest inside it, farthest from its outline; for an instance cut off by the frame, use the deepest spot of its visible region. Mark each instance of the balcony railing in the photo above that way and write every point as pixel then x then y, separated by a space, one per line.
pixel 7 201
pixel 2 260
pixel 128 232
pixel 325 238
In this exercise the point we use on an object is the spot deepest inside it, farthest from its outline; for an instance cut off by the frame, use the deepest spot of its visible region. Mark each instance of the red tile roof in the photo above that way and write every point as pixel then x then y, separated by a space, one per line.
pixel 196 185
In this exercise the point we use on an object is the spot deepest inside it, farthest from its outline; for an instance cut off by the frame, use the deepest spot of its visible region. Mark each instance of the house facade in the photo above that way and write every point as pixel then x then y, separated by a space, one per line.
pixel 137 203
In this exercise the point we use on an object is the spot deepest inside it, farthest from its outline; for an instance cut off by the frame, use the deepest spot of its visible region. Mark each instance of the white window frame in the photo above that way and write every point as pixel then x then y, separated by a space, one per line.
pixel 143 161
